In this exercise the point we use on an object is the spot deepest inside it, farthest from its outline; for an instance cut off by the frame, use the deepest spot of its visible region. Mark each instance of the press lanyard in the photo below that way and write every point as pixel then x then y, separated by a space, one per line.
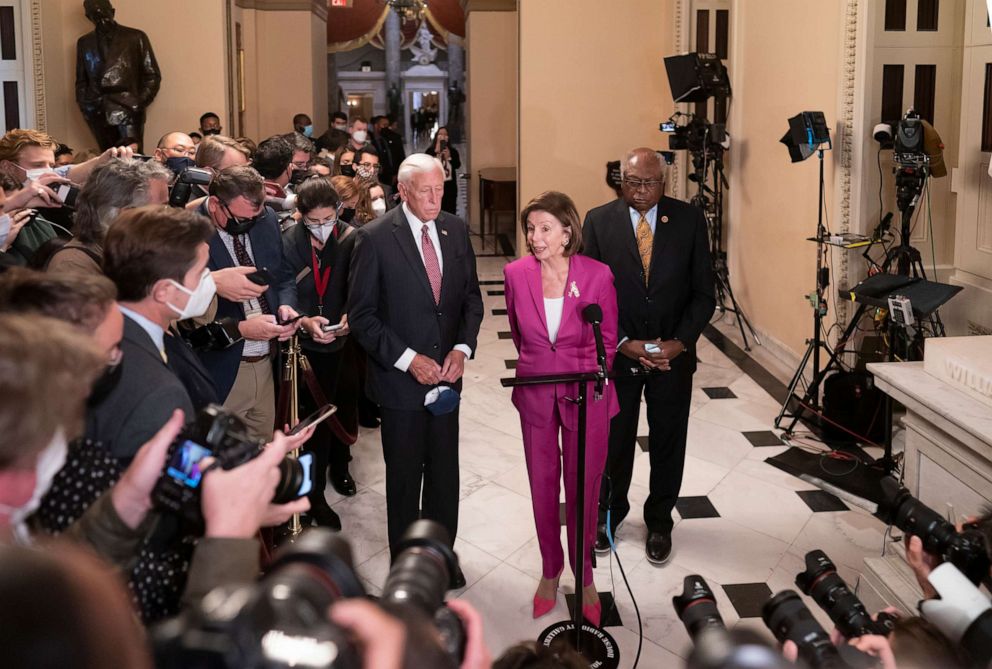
pixel 320 281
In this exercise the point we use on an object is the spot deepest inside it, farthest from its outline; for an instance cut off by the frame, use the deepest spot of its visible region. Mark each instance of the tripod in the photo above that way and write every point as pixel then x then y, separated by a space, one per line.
pixel 710 200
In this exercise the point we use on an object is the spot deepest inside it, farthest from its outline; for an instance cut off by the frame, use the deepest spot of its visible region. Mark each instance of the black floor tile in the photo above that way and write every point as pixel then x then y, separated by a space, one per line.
pixel 696 507
pixel 747 364
pixel 504 335
pixel 495 293
pixel 748 598
pixel 721 393
pixel 643 443
pixel 511 364
pixel 821 500
pixel 499 312
pixel 763 438
pixel 611 615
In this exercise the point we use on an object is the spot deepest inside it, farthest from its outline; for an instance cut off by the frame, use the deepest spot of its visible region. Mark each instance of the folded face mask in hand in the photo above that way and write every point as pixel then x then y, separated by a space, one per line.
pixel 442 400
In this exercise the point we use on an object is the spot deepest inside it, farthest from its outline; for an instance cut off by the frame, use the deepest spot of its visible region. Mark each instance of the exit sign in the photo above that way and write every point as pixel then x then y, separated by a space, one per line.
pixel 341 3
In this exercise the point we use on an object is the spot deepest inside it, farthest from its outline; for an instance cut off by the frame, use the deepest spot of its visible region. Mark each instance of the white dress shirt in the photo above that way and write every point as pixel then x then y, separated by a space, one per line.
pixel 416 229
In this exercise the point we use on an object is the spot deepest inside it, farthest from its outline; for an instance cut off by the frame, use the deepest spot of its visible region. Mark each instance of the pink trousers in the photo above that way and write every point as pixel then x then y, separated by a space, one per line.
pixel 544 465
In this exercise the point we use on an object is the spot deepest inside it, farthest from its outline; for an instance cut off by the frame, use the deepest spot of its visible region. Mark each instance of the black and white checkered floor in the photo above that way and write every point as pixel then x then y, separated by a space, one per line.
pixel 742 524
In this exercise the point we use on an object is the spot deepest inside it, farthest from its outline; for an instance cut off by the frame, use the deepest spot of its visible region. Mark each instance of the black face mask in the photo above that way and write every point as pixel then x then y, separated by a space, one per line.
pixel 236 225
pixel 105 384
pixel 179 164
pixel 348 170
pixel 299 176
pixel 347 214
pixel 211 131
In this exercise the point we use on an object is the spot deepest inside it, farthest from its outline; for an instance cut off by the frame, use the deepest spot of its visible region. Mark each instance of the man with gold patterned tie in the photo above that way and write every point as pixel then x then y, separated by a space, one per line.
pixel 658 251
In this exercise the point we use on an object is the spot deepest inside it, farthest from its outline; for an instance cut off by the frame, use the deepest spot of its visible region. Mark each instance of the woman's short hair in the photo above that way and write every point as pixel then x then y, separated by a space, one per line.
pixel 561 207
pixel 315 193
pixel 47 368
pixel 345 187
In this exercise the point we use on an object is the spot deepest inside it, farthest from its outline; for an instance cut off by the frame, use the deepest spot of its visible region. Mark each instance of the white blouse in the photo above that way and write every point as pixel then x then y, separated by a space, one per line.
pixel 552 311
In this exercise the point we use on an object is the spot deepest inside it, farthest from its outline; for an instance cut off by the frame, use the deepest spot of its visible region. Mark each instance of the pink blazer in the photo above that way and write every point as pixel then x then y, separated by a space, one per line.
pixel 589 281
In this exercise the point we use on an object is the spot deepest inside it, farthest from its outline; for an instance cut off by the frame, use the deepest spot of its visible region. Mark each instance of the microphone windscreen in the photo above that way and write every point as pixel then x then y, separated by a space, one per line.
pixel 593 313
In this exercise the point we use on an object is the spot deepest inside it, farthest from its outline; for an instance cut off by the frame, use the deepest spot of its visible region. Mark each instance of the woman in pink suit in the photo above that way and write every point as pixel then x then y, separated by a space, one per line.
pixel 545 295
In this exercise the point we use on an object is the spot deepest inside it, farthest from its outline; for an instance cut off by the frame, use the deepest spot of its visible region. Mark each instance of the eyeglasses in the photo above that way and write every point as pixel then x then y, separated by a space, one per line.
pixel 305 165
pixel 637 184
pixel 183 150
pixel 309 222
pixel 374 167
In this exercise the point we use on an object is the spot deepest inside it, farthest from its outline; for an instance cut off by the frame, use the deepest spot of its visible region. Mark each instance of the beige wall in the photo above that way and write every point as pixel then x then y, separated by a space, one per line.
pixel 592 86
pixel 189 42
pixel 773 203
pixel 491 92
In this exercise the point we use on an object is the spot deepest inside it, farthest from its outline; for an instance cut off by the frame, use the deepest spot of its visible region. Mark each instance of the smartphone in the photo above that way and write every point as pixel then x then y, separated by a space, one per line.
pixel 184 467
pixel 334 327
pixel 261 276
pixel 444 144
pixel 290 321
pixel 652 348
pixel 318 416
pixel 67 194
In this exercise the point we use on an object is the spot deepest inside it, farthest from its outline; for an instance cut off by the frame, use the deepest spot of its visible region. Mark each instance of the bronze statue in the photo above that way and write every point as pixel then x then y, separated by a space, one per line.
pixel 117 77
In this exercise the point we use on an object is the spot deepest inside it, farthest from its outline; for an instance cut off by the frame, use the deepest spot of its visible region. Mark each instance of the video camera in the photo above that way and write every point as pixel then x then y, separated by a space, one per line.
pixel 695 135
pixel 217 335
pixel 282 620
pixel 966 550
pixel 219 434
pixel 917 153
pixel 182 187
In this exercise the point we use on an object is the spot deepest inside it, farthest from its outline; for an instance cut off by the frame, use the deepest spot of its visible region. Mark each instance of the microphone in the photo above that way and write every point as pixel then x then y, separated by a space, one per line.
pixel 593 314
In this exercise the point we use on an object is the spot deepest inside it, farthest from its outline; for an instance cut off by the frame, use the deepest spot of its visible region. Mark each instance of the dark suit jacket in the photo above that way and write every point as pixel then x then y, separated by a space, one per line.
pixel 266 247
pixel 679 300
pixel 143 400
pixel 391 306
pixel 123 73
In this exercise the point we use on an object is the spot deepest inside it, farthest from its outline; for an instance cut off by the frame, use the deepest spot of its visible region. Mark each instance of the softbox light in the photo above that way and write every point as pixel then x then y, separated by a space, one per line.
pixel 807 131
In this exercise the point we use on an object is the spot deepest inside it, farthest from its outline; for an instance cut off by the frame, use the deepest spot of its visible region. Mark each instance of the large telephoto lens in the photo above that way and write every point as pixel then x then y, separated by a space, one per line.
pixel 787 617
pixel 821 582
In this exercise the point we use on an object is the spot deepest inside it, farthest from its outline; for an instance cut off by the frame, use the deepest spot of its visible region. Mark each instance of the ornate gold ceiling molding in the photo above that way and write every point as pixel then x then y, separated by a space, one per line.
pixel 317 7
pixel 360 41
pixel 38 69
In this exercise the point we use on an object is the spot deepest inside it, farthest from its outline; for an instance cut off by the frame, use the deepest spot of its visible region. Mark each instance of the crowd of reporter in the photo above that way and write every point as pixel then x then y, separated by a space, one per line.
pixel 140 293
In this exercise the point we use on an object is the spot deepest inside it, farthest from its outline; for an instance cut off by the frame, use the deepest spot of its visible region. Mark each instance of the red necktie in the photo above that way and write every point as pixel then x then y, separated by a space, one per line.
pixel 431 264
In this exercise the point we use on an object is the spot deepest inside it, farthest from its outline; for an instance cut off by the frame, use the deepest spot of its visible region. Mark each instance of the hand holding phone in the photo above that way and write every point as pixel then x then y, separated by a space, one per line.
pixel 261 276
pixel 318 416
pixel 289 321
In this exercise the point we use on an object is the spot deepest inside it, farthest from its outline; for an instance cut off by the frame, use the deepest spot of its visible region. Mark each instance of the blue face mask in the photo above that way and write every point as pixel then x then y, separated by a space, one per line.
pixel 178 164
pixel 308 131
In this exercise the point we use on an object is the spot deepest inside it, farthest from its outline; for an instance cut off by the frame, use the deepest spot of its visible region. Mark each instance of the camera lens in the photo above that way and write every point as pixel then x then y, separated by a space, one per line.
pixel 292 474
pixel 422 570
pixel 821 582
pixel 787 617
pixel 696 606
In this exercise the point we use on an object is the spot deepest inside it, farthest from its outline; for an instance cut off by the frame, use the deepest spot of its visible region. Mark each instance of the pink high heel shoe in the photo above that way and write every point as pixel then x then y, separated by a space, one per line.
pixel 543 606
pixel 593 612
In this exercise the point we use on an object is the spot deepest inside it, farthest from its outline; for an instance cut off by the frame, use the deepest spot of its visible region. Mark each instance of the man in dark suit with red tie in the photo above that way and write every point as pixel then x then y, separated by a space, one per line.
pixel 657 248
pixel 415 306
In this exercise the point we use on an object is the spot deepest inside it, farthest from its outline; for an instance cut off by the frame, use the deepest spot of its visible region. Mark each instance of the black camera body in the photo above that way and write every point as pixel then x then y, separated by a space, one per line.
pixel 220 434
pixel 821 582
pixel 282 620
pixel 182 187
pixel 695 136
pixel 214 336
pixel 965 550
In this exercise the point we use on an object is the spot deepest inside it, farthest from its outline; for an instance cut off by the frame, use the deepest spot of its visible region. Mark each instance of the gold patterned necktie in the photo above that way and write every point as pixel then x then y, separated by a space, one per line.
pixel 645 240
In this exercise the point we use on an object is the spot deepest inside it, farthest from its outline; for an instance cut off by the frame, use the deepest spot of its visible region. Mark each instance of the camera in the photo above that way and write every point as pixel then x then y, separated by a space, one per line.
pixel 821 582
pixel 695 135
pixel 917 153
pixel 696 606
pixel 219 434
pixel 182 188
pixel 282 621
pixel 789 619
pixel 215 336
pixel 965 550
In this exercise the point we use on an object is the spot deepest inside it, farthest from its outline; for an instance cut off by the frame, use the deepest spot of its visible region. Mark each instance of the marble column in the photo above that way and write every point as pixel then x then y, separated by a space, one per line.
pixel 456 88
pixel 393 65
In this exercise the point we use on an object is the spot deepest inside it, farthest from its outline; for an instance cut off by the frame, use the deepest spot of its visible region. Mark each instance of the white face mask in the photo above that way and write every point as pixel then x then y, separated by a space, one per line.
pixel 199 299
pixel 321 232
pixel 341 126
pixel 360 136
pixel 49 463
pixel 35 174
pixel 379 207
pixel 5 222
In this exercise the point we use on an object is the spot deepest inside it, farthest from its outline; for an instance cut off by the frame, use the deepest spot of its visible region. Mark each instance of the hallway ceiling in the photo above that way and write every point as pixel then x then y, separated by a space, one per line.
pixel 352 27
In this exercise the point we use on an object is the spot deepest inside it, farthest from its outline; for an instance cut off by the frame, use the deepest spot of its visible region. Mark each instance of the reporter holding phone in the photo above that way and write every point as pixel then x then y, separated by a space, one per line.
pixel 246 239
pixel 318 250
pixel 451 161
